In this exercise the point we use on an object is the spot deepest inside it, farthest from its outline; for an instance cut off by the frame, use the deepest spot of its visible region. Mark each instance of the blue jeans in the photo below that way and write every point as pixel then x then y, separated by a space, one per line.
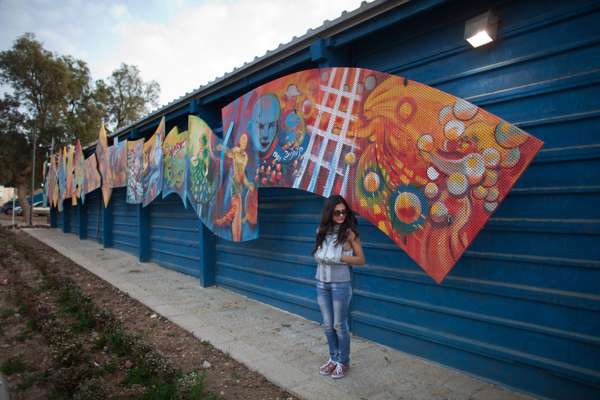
pixel 334 301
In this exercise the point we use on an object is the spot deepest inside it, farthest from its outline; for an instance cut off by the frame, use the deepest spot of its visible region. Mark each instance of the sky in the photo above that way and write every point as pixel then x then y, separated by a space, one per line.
pixel 181 44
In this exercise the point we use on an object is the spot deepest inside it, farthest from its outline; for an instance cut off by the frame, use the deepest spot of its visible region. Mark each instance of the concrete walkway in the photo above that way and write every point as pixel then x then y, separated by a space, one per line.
pixel 285 348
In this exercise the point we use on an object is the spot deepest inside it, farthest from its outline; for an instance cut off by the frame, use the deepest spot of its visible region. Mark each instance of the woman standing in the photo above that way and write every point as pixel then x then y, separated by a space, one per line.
pixel 337 247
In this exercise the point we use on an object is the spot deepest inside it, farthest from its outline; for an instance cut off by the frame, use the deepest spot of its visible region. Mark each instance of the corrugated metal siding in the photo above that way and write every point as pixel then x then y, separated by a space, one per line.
pixel 74 218
pixel 175 235
pixel 277 268
pixel 125 222
pixel 94 209
pixel 521 306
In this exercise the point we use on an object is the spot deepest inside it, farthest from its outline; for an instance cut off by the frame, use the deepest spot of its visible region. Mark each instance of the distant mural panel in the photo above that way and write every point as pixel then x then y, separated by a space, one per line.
pixel 174 160
pixel 202 168
pixel 153 168
pixel 118 163
pixel 92 176
pixel 103 158
pixel 79 173
pixel 135 171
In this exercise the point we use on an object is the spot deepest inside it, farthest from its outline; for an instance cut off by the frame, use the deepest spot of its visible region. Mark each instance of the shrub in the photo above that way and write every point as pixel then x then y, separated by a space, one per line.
pixel 91 389
pixel 13 365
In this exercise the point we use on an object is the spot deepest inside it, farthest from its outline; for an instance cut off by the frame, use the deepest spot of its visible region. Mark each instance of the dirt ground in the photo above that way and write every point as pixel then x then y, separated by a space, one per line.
pixel 224 377
pixel 38 220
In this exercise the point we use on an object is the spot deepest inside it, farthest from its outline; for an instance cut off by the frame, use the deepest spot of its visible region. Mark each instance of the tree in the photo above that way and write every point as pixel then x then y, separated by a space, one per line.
pixel 13 142
pixel 52 97
pixel 125 97
pixel 49 98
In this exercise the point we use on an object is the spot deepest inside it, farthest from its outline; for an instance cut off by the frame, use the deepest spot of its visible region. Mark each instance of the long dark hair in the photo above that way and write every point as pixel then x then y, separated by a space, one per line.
pixel 327 225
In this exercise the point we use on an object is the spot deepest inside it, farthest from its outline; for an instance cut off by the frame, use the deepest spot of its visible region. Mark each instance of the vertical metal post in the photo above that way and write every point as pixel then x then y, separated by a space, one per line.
pixel 107 223
pixel 32 178
pixel 144 233
pixel 53 217
pixel 207 256
pixel 82 210
pixel 13 207
pixel 66 216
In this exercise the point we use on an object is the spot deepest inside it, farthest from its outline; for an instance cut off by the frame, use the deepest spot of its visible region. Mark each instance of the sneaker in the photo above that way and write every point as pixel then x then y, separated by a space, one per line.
pixel 340 371
pixel 327 368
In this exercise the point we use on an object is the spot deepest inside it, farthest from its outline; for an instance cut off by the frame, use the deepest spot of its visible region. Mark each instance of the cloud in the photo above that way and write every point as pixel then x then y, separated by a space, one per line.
pixel 205 41
pixel 182 45
pixel 119 10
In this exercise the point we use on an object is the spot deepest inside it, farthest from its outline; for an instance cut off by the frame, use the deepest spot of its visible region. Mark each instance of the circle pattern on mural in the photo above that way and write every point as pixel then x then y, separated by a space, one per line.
pixel 408 209
pixel 431 190
pixel 457 184
pixel 509 136
pixel 432 173
pixel 464 110
pixel 370 82
pixel 474 167
pixel 371 182
pixel 491 157
pixel 443 115
pixel 512 158
pixel 480 192
pixel 439 212
pixel 425 143
pixel 454 129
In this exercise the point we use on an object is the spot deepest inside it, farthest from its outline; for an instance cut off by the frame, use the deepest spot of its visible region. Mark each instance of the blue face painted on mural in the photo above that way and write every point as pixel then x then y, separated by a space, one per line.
pixel 263 123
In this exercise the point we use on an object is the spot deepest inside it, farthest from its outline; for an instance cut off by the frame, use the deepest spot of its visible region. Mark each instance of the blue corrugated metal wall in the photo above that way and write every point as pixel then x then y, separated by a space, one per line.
pixel 74 219
pixel 277 268
pixel 521 307
pixel 125 222
pixel 94 210
pixel 175 235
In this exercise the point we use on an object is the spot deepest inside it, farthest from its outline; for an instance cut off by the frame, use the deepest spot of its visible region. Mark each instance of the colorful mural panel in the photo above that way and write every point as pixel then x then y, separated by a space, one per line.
pixel 78 173
pixel 153 168
pixel 50 183
pixel 425 167
pixel 118 163
pixel 62 177
pixel 92 176
pixel 202 168
pixel 174 159
pixel 69 172
pixel 103 159
pixel 135 171
pixel 54 197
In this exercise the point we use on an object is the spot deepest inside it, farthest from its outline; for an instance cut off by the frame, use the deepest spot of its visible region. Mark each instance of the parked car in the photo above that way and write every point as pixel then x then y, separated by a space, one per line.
pixel 8 206
pixel 39 209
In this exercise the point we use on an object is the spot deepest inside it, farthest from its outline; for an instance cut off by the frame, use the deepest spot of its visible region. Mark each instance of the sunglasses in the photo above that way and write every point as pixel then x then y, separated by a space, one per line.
pixel 339 213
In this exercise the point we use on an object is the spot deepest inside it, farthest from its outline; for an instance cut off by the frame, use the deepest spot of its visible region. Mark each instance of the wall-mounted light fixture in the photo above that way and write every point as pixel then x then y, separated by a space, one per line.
pixel 481 29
